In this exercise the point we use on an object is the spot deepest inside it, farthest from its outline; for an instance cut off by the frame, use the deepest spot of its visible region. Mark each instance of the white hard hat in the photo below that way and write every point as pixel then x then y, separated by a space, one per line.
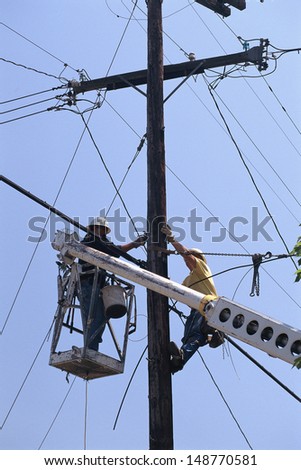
pixel 100 221
pixel 198 253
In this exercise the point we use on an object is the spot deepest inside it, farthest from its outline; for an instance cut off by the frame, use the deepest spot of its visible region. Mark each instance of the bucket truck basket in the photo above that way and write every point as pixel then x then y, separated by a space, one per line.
pixel 118 298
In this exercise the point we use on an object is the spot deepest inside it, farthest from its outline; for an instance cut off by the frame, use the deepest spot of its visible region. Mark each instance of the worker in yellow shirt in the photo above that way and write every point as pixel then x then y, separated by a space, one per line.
pixel 197 332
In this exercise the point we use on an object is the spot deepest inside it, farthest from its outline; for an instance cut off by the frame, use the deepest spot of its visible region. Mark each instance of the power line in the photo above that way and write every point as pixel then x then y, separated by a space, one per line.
pixel 225 401
pixel 263 76
pixel 29 105
pixel 57 414
pixel 224 130
pixel 222 396
pixel 109 174
pixel 282 106
pixel 31 69
pixel 31 95
pixel 39 47
pixel 26 377
pixel 249 161
pixel 122 37
pixel 139 148
pixel 27 115
pixel 249 172
pixel 42 232
pixel 252 141
pixel 128 386
pixel 290 392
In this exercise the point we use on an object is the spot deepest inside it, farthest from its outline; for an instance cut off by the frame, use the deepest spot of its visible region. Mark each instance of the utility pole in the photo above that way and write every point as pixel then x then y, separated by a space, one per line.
pixel 160 394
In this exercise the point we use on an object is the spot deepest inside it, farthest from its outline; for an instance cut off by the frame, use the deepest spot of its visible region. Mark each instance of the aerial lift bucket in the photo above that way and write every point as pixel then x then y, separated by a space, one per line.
pixel 82 361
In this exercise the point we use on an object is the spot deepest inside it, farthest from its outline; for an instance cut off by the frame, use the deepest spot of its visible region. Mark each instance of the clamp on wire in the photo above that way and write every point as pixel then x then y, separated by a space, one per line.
pixel 257 260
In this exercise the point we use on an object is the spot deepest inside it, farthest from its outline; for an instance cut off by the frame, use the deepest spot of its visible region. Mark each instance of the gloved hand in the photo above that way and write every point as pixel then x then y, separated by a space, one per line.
pixel 168 233
pixel 140 241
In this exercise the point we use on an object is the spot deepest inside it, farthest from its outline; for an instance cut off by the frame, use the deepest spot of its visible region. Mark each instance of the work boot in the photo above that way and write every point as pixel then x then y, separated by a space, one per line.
pixel 176 358
pixel 206 329
pixel 216 340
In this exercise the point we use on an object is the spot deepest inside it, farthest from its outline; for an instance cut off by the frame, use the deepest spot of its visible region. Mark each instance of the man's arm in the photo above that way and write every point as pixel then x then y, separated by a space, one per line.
pixel 188 258
pixel 140 241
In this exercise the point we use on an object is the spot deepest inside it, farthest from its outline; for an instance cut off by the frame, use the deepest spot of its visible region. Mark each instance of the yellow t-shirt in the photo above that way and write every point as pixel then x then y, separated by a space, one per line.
pixel 197 279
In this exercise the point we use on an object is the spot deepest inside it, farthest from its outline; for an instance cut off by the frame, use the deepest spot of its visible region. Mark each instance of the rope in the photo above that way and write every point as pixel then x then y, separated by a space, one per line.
pixel 86 415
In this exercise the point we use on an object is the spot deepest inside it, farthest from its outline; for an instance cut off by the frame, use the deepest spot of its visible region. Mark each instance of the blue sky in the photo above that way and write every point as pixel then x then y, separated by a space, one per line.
pixel 50 155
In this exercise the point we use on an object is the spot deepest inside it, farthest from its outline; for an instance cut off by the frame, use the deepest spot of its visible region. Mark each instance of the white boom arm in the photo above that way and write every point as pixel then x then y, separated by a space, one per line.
pixel 275 338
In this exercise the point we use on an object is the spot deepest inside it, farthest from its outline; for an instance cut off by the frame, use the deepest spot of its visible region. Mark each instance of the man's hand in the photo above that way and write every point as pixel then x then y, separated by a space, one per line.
pixel 140 241
pixel 168 233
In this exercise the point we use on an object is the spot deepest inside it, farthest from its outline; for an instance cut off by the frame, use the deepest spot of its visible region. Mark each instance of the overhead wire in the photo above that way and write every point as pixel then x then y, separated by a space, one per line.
pixel 228 408
pixel 110 175
pixel 263 76
pixel 212 214
pixel 139 148
pixel 57 413
pixel 225 401
pixel 206 107
pixel 281 104
pixel 36 45
pixel 281 384
pixel 222 396
pixel 139 8
pixel 26 377
pixel 29 105
pixel 26 116
pixel 255 145
pixel 249 173
pixel 122 37
pixel 42 231
pixel 128 386
pixel 31 95
pixel 32 69
pixel 199 200
pixel 60 188
pixel 249 161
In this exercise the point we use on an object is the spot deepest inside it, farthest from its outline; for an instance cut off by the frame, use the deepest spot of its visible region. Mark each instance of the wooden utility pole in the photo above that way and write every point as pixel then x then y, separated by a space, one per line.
pixel 160 394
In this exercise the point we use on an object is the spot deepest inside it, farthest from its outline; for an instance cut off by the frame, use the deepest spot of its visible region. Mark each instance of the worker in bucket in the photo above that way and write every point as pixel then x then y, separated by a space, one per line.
pixel 197 332
pixel 96 238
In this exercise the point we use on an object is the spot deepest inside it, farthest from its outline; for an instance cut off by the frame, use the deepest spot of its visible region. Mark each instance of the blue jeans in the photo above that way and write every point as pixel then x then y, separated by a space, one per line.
pixel 193 336
pixel 92 332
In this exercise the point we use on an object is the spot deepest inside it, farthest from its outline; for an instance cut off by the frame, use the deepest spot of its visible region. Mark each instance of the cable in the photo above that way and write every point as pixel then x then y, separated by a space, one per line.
pixel 32 94
pixel 261 75
pixel 122 37
pixel 29 105
pixel 282 107
pixel 42 232
pixel 193 91
pixel 263 369
pixel 249 172
pixel 26 116
pixel 139 148
pixel 128 386
pixel 36 45
pixel 109 174
pixel 26 377
pixel 251 140
pixel 225 401
pixel 57 414
pixel 208 210
pixel 30 68
pixel 222 396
